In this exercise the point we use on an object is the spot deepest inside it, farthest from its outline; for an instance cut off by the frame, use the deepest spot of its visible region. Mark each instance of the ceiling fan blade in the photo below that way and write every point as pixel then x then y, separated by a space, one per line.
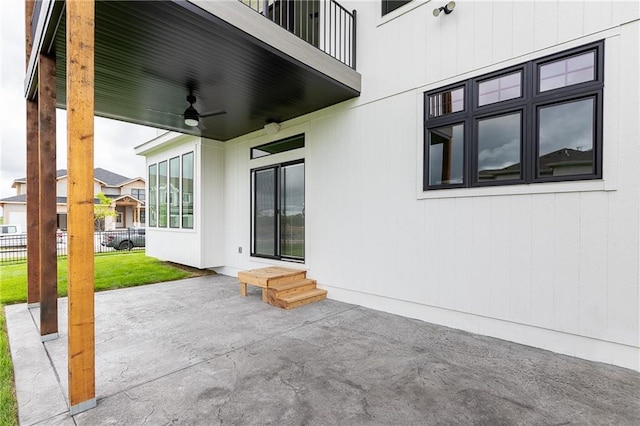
pixel 212 113
pixel 163 112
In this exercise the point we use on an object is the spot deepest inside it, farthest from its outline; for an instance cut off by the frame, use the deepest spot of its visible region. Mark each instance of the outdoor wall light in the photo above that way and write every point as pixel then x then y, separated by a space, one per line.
pixel 191 117
pixel 271 128
pixel 447 9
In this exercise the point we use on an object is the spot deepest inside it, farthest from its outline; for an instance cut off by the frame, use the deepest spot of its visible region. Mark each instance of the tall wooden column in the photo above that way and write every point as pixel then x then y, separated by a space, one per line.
pixel 47 205
pixel 80 109
pixel 33 180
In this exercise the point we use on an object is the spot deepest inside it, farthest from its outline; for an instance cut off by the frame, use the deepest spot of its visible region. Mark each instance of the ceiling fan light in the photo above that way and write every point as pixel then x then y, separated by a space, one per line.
pixel 191 117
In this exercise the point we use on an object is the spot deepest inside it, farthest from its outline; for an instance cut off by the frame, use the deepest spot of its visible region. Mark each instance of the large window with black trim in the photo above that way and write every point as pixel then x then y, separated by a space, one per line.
pixel 278 215
pixel 540 121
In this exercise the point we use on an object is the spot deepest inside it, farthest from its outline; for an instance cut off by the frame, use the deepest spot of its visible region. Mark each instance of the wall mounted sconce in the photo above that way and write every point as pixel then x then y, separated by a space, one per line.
pixel 447 9
pixel 271 128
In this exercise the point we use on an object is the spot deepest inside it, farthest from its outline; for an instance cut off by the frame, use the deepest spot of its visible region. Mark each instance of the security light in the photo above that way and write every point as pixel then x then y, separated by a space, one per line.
pixel 447 9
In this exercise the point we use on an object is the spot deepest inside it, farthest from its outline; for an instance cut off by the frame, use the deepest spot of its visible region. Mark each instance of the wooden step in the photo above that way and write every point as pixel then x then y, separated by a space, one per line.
pixel 300 298
pixel 291 287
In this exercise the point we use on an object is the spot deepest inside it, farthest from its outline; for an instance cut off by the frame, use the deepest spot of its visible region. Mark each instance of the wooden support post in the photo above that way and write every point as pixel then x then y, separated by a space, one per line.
pixel 33 180
pixel 47 205
pixel 80 116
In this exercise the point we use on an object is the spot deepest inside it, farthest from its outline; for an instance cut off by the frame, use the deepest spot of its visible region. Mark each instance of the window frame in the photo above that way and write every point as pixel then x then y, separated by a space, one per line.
pixel 388 6
pixel 277 167
pixel 155 204
pixel 529 104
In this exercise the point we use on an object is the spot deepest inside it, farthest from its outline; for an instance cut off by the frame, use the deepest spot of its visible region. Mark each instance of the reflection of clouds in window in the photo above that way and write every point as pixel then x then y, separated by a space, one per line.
pixel 499 142
pixel 566 72
pixel 568 125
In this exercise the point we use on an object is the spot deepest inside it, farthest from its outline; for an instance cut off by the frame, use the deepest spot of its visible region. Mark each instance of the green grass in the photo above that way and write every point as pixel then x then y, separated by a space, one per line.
pixel 128 269
pixel 112 271
pixel 8 404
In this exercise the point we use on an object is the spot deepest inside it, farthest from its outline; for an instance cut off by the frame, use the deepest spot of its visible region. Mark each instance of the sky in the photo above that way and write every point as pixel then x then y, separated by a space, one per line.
pixel 113 140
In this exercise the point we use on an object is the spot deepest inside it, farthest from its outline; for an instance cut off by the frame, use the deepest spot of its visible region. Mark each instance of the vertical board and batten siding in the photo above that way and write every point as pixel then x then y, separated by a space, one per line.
pixel 552 265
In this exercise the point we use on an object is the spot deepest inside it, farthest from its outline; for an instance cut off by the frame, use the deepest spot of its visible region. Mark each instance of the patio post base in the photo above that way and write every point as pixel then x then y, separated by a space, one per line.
pixel 33 305
pixel 47 337
pixel 83 406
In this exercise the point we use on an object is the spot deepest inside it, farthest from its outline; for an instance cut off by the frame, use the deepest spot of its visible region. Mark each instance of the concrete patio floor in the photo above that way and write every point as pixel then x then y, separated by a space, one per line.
pixel 194 352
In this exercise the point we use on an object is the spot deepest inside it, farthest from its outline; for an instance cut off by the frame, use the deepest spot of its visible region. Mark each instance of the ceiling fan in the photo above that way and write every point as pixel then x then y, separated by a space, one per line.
pixel 192 116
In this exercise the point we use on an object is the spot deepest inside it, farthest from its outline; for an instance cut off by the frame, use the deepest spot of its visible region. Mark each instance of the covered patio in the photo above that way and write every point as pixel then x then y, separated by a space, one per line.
pixel 194 352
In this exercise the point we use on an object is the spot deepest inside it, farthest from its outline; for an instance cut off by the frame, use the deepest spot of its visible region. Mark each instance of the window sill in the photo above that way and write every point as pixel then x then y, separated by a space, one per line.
pixel 536 188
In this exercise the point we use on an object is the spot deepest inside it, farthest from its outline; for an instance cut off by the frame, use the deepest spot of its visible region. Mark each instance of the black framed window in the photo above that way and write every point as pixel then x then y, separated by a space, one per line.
pixel 171 189
pixel 278 211
pixel 283 145
pixel 391 5
pixel 539 121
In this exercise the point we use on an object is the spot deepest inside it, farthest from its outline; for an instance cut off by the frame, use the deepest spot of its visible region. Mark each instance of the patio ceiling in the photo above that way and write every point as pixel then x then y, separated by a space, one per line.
pixel 149 54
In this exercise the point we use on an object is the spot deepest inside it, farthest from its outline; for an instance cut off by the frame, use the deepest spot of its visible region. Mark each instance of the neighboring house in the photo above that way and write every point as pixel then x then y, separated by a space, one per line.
pixel 127 200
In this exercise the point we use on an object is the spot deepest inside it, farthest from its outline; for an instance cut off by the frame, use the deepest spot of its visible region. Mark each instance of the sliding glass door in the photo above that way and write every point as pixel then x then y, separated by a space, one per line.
pixel 278 211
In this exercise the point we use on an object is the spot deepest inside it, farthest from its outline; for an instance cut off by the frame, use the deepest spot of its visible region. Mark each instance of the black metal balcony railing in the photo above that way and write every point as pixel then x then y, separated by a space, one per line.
pixel 324 24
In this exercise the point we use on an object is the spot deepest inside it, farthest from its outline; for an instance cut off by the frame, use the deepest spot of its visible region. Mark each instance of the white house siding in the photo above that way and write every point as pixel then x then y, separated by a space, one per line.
pixel 201 246
pixel 552 265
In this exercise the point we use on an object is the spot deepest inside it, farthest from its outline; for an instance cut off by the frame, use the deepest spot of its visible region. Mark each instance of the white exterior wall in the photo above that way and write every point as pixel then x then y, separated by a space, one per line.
pixel 552 265
pixel 15 214
pixel 202 246
pixel 136 184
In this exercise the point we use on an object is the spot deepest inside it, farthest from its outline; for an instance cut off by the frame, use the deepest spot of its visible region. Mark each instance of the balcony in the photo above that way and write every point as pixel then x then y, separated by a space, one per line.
pixel 254 62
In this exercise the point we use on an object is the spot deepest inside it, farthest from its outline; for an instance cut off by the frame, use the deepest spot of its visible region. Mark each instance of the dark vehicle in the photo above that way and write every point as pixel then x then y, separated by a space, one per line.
pixel 125 239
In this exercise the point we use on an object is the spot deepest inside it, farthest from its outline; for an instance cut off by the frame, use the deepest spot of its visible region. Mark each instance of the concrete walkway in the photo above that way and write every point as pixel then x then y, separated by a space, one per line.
pixel 194 352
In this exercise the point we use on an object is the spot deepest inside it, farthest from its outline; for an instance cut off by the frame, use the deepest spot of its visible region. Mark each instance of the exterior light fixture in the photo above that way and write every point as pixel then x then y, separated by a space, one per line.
pixel 191 116
pixel 271 128
pixel 447 9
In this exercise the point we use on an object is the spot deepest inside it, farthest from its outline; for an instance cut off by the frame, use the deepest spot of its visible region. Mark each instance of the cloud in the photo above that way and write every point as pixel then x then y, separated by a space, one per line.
pixel 113 140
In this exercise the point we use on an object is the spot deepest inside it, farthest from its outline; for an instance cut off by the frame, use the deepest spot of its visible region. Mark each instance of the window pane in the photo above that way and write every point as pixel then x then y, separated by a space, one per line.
pixel 174 192
pixel 566 139
pixel 162 194
pixel 446 155
pixel 187 190
pixel 499 89
pixel 499 145
pixel 153 192
pixel 264 212
pixel 573 70
pixel 446 102
pixel 292 211
pixel 278 146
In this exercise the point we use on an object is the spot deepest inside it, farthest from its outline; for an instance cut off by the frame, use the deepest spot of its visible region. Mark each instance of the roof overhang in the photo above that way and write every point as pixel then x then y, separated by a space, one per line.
pixel 148 55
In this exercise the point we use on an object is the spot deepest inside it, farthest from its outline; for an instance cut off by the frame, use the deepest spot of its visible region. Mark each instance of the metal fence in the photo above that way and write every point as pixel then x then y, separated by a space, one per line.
pixel 324 24
pixel 13 248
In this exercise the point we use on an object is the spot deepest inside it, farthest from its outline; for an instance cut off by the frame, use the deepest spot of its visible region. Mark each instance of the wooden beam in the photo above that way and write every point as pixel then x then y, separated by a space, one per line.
pixel 47 205
pixel 33 180
pixel 80 117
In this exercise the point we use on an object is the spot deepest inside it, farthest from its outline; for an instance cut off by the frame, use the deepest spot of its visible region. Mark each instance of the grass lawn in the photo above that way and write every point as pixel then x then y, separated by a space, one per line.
pixel 127 269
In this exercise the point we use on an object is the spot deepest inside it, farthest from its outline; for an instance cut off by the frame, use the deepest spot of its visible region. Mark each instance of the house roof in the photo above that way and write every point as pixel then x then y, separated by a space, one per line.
pixel 107 177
